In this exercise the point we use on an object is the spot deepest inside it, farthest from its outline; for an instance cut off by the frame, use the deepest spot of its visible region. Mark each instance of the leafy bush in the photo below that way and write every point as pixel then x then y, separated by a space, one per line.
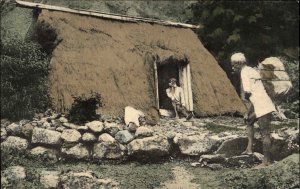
pixel 24 71
pixel 84 108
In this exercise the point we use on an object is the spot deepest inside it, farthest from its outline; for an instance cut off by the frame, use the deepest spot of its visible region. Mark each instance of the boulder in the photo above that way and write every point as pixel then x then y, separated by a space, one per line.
pixel 27 130
pixel 131 127
pixel 124 137
pixel 45 136
pixel 194 144
pixel 62 119
pixel 49 179
pixel 13 173
pixel 78 180
pixel 3 133
pixel 70 125
pixel 70 136
pixel 14 129
pixel 241 161
pixel 155 146
pixel 60 128
pixel 46 125
pixel 281 148
pixel 89 137
pixel 82 129
pixel 212 158
pixel 51 154
pixel 108 148
pixel 143 132
pixel 236 146
pixel 78 151
pixel 108 183
pixel 95 126
pixel 14 142
pixel 112 128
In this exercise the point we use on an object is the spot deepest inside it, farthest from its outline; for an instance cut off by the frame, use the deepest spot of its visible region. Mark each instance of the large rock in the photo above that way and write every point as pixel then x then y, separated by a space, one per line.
pixel 78 151
pixel 143 132
pixel 108 148
pixel 85 180
pixel 47 137
pixel 70 125
pixel 27 130
pixel 49 179
pixel 70 135
pixel 49 153
pixel 194 144
pixel 124 137
pixel 14 142
pixel 14 129
pixel 155 146
pixel 112 128
pixel 281 148
pixel 241 161
pixel 95 126
pixel 236 146
pixel 89 137
pixel 12 173
pixel 212 158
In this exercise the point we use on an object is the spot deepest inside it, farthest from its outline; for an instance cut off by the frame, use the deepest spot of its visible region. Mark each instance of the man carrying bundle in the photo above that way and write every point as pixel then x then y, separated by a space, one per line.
pixel 258 103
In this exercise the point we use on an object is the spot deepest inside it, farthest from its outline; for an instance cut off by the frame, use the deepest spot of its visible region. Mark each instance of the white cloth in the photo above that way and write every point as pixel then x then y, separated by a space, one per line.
pixel 251 83
pixel 176 95
pixel 132 115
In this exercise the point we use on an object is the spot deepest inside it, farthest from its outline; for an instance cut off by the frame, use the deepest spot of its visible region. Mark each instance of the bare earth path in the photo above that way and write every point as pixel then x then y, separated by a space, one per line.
pixel 182 180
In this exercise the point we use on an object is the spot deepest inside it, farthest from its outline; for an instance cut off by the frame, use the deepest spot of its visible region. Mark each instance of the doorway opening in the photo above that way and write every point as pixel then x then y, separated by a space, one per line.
pixel 172 69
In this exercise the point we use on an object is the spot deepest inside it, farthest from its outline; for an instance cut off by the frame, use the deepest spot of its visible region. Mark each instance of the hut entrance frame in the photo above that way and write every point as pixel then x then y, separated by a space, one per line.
pixel 163 72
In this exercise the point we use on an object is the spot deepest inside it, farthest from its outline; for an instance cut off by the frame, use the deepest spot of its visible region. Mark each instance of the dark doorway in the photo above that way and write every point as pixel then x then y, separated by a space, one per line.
pixel 165 72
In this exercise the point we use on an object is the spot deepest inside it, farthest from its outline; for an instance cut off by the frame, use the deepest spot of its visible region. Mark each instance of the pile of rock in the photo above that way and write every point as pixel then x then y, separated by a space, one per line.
pixel 110 139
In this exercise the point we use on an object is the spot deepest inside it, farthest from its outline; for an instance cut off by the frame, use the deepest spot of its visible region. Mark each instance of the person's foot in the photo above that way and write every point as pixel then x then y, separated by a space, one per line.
pixel 247 152
pixel 188 117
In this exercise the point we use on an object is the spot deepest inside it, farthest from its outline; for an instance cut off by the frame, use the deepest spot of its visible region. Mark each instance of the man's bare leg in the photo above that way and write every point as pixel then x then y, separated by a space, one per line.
pixel 264 123
pixel 175 109
pixel 250 133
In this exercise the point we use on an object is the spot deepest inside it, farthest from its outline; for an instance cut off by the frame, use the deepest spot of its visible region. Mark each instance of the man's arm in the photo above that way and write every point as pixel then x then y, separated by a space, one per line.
pixel 169 94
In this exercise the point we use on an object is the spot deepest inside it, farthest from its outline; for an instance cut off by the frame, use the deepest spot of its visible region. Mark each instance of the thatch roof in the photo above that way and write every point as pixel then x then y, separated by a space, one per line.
pixel 116 59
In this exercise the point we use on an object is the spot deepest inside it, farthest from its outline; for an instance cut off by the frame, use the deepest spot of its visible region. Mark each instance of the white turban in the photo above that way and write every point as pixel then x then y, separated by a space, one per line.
pixel 238 57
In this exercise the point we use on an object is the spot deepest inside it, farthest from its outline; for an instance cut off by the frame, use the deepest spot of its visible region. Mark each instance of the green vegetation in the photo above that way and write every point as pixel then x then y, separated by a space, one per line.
pixel 84 108
pixel 260 29
pixel 130 175
pixel 283 175
pixel 24 70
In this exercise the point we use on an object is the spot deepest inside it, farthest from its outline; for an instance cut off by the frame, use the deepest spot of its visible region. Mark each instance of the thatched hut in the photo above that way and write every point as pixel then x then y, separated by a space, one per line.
pixel 129 63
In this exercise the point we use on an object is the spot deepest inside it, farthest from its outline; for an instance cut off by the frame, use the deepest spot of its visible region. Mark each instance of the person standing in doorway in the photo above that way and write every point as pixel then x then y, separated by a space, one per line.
pixel 176 95
pixel 258 103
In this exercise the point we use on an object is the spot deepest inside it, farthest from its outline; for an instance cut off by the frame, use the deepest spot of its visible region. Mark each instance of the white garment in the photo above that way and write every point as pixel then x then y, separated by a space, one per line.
pixel 132 115
pixel 176 95
pixel 251 83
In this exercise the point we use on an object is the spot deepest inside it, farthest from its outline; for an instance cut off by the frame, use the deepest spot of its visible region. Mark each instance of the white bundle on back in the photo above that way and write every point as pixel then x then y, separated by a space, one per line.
pixel 274 77
pixel 238 57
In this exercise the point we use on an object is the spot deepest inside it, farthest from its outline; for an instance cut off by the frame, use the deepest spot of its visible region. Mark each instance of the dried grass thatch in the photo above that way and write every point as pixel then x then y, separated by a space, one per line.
pixel 116 60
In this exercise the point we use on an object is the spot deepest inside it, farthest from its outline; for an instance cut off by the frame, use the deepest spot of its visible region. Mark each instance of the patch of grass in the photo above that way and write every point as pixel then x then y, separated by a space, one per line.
pixel 129 175
pixel 215 128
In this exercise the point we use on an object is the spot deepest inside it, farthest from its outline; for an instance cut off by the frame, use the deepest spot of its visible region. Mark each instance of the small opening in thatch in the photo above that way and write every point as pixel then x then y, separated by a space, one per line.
pixel 180 70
